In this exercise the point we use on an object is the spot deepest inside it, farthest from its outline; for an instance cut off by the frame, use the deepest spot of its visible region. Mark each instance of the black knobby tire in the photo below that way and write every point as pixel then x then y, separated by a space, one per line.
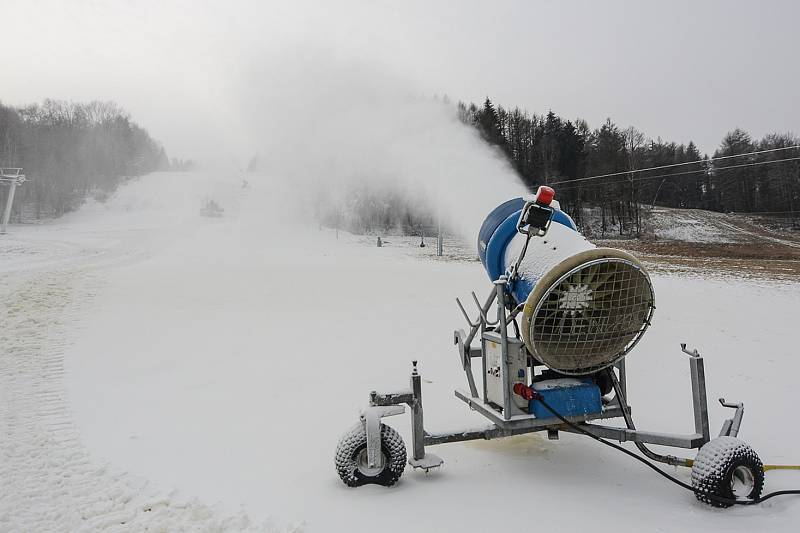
pixel 716 465
pixel 353 445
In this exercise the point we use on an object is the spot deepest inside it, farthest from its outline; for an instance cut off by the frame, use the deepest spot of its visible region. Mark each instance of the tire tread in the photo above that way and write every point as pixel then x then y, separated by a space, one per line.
pixel 354 440
pixel 714 465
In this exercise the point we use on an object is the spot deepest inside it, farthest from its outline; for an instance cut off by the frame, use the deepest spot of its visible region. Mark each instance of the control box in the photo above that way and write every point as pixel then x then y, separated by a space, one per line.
pixel 516 369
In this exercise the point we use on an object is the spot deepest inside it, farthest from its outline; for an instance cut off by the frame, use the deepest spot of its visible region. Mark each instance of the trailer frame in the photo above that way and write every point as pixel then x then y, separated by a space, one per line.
pixel 507 420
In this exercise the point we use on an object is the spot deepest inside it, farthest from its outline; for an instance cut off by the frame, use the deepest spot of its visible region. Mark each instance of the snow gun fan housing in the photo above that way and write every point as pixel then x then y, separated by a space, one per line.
pixel 584 307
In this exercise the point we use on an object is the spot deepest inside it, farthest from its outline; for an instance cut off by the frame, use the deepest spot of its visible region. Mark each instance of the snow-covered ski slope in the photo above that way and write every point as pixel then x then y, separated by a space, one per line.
pixel 49 277
pixel 700 226
pixel 167 371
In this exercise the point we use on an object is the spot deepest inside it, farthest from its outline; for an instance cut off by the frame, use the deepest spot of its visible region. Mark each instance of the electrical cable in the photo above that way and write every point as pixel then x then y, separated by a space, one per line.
pixel 626 415
pixel 649 464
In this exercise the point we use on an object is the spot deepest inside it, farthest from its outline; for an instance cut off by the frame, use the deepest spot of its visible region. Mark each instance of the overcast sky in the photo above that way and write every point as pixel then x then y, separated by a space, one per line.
pixel 680 70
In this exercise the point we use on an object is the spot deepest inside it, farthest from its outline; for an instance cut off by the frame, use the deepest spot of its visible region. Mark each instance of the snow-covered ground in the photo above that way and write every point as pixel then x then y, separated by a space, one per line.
pixel 171 371
pixel 709 227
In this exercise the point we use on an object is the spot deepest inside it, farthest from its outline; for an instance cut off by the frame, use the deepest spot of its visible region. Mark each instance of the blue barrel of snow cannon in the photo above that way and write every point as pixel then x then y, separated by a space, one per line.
pixel 497 232
pixel 584 307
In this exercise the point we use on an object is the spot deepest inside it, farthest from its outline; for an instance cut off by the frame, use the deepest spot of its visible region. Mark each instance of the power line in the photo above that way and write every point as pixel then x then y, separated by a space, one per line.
pixel 711 160
pixel 724 187
pixel 763 212
pixel 675 174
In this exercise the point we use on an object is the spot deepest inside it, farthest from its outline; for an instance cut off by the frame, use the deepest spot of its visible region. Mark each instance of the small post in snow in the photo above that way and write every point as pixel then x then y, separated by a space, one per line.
pixel 439 238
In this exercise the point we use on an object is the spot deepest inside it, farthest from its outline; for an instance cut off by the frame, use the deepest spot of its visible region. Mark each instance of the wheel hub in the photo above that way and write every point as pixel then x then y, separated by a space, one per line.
pixel 575 298
pixel 362 463
pixel 742 482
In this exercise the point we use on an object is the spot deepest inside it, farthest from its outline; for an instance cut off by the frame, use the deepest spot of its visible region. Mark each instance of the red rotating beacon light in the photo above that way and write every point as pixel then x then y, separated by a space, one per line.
pixel 545 195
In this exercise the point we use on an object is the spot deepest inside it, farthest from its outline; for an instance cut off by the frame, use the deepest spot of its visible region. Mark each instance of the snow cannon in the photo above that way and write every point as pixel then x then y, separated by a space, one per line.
pixel 583 307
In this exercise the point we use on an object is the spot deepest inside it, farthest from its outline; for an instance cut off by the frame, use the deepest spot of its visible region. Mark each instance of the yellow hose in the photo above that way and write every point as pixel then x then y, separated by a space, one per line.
pixel 781 467
pixel 767 468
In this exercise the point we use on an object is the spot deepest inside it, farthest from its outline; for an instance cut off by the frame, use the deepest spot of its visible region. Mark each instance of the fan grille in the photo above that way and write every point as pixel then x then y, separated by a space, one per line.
pixel 592 316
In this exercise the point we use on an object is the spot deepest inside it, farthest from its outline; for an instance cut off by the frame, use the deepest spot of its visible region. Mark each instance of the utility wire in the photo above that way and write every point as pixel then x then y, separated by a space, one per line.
pixel 710 160
pixel 762 212
pixel 674 174
pixel 727 186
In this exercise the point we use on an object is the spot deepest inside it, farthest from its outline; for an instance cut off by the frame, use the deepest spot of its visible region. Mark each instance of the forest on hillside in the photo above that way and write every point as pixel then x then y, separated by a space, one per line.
pixel 548 150
pixel 70 151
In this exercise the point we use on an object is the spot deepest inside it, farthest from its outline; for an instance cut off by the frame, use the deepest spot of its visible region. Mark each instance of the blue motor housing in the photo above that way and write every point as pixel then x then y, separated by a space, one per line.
pixel 498 215
pixel 497 232
pixel 567 396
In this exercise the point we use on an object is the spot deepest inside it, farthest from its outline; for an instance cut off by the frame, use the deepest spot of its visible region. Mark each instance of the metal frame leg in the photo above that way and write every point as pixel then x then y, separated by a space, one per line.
pixel 419 458
pixel 699 398
pixel 371 416
pixel 417 420
pixel 7 212
pixel 412 398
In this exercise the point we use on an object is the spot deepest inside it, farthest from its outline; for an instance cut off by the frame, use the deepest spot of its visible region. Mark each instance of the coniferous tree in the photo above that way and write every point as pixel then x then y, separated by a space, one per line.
pixel 489 123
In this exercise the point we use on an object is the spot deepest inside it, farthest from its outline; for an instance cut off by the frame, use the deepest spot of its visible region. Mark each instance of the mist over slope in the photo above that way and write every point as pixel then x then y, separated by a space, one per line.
pixel 344 133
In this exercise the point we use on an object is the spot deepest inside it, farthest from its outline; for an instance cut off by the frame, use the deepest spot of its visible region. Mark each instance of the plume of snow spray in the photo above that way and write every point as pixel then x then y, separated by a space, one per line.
pixel 324 128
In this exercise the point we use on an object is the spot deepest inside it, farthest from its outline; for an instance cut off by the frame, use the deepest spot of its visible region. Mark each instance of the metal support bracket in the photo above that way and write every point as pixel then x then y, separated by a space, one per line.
pixel 419 458
pixel 699 398
pixel 427 463
pixel 730 428
pixel 371 416
pixel 467 353
pixel 388 404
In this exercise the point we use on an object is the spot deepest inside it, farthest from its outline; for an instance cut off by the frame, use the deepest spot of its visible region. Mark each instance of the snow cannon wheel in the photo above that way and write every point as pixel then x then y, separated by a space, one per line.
pixel 727 468
pixel 351 458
